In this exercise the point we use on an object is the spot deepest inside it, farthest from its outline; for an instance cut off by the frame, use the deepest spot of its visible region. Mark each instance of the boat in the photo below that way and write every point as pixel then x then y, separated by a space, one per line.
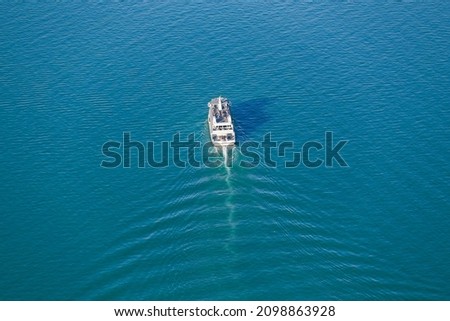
pixel 221 127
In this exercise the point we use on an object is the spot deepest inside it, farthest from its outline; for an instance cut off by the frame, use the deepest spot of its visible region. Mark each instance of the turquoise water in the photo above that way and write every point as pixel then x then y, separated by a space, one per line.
pixel 73 76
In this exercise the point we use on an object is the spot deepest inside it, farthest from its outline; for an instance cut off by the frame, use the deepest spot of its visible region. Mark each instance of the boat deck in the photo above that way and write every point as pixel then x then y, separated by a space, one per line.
pixel 221 116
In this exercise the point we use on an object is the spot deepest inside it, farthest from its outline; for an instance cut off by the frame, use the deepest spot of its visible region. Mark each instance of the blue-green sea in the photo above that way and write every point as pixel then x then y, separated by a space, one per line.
pixel 74 75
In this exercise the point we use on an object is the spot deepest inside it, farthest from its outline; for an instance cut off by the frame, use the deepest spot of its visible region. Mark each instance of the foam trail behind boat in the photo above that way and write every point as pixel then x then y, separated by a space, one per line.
pixel 229 199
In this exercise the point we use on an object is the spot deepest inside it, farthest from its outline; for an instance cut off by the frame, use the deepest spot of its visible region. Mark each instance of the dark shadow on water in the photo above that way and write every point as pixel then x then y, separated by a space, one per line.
pixel 249 115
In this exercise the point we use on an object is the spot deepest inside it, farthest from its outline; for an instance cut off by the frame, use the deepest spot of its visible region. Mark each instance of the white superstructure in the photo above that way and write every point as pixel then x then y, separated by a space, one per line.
pixel 220 122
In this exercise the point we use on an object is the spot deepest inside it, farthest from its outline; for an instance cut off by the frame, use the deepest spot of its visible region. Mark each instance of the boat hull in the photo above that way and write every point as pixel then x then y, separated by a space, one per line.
pixel 220 123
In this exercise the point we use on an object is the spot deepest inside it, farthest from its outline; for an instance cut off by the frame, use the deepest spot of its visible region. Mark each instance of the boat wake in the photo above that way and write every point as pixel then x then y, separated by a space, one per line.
pixel 228 161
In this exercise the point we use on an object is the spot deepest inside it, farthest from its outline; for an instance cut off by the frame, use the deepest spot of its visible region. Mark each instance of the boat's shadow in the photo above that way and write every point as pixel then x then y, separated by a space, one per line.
pixel 249 115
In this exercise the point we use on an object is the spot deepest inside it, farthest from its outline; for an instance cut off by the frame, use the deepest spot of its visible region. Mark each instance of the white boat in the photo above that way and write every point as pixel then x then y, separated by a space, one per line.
pixel 221 127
